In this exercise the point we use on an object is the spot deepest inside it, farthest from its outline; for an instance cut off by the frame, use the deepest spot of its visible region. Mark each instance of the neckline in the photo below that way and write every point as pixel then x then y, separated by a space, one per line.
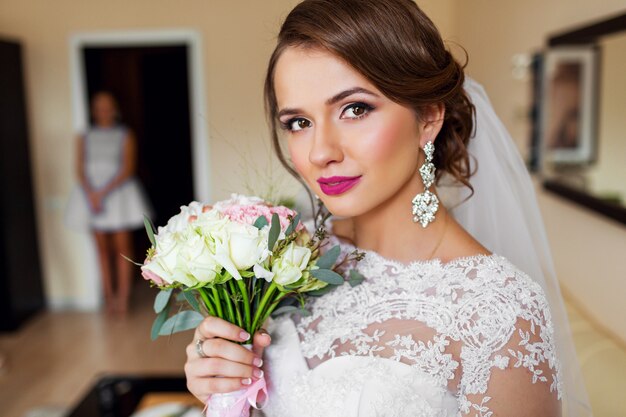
pixel 374 256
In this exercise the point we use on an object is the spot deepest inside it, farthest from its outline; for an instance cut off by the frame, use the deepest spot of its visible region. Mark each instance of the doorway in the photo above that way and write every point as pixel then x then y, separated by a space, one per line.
pixel 150 84
pixel 158 80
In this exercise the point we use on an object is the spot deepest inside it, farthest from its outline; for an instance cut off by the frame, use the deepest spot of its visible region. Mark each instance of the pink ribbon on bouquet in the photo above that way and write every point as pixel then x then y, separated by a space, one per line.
pixel 249 396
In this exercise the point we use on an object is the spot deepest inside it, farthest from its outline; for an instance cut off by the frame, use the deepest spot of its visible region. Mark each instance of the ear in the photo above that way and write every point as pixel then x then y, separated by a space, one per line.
pixel 432 121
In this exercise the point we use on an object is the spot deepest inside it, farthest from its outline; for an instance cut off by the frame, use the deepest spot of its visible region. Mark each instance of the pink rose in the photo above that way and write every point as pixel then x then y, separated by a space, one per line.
pixel 151 276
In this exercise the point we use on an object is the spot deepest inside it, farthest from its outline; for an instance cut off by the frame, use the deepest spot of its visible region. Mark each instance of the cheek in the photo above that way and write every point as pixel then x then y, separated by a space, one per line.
pixel 299 155
pixel 392 143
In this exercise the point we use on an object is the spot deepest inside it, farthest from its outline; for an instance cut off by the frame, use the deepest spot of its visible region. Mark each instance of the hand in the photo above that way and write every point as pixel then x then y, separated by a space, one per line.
pixel 236 366
pixel 95 201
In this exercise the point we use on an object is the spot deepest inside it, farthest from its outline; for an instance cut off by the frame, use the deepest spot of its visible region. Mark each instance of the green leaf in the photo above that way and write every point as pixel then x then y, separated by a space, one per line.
pixel 162 299
pixel 149 229
pixel 355 278
pixel 328 259
pixel 130 260
pixel 321 291
pixel 182 321
pixel 274 232
pixel 285 309
pixel 328 276
pixel 158 323
pixel 293 225
pixel 260 222
pixel 192 300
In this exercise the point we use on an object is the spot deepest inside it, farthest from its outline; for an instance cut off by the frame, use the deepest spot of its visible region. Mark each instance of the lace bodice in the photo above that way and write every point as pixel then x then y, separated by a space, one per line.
pixel 451 326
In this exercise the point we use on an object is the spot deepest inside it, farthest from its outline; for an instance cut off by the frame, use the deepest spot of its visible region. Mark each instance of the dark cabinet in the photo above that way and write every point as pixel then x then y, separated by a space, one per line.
pixel 21 292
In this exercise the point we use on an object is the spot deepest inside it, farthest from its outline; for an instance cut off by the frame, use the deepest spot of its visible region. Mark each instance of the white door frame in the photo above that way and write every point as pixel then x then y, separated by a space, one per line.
pixel 197 110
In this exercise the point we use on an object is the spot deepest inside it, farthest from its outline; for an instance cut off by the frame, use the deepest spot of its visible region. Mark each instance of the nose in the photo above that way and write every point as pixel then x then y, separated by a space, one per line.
pixel 326 146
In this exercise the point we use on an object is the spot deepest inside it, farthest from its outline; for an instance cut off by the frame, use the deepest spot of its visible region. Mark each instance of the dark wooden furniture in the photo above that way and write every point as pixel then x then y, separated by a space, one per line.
pixel 118 396
pixel 21 292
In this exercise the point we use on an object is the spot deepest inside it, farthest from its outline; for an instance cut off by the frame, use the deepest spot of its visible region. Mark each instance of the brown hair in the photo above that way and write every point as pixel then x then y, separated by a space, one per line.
pixel 398 48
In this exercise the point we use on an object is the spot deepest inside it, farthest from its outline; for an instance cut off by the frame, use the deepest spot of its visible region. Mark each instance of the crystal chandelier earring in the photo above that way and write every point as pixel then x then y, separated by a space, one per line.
pixel 425 204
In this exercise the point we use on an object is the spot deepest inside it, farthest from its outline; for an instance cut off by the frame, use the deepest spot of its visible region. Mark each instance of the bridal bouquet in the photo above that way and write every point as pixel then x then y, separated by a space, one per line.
pixel 240 260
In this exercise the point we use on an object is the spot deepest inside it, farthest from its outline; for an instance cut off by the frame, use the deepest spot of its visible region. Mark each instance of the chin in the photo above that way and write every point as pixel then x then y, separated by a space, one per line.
pixel 342 206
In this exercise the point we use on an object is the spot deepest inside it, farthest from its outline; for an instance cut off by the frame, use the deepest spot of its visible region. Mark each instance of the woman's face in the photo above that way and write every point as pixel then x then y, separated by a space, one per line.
pixel 103 109
pixel 354 147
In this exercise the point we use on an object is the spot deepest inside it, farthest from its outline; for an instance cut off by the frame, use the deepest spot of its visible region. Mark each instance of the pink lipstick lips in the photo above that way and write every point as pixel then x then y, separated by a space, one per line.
pixel 337 185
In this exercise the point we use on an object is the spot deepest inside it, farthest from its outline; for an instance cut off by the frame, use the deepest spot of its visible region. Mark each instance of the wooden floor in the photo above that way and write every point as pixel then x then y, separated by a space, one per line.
pixel 56 357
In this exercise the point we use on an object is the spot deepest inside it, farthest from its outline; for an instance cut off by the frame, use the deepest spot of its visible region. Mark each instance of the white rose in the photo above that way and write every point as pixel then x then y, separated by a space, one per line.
pixel 167 251
pixel 179 222
pixel 196 260
pixel 288 268
pixel 239 247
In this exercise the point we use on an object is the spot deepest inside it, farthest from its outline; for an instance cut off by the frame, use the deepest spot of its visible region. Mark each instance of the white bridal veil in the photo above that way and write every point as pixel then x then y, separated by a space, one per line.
pixel 504 216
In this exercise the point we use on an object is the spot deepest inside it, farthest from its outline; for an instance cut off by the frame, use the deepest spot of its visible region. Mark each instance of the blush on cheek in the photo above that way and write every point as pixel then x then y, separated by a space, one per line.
pixel 389 140
pixel 299 159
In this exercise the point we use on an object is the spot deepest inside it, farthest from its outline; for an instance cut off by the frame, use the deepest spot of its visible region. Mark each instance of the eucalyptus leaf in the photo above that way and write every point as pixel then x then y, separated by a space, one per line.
pixel 158 323
pixel 180 296
pixel 274 232
pixel 355 278
pixel 149 229
pixel 185 320
pixel 285 309
pixel 328 276
pixel 321 291
pixel 328 259
pixel 161 300
pixel 293 225
pixel 192 300
pixel 260 222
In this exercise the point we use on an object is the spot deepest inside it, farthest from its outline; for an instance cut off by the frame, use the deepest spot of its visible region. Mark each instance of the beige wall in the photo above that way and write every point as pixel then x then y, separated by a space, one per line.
pixel 588 250
pixel 237 38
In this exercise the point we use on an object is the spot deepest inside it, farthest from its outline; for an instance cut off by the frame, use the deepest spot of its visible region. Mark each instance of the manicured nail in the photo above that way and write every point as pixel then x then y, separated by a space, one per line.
pixel 257 373
pixel 244 335
pixel 258 362
pixel 246 381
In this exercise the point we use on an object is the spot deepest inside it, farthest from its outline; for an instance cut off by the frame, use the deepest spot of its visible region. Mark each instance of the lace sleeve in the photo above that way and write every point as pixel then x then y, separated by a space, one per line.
pixel 508 360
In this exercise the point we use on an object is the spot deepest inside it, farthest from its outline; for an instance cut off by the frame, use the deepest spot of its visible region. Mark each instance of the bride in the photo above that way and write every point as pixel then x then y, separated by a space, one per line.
pixel 459 313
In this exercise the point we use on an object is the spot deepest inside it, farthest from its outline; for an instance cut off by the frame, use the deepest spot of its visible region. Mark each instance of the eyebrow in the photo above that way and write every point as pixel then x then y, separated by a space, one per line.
pixel 333 100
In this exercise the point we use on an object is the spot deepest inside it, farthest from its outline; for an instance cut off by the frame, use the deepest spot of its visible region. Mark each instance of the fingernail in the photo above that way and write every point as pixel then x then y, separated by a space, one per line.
pixel 257 373
pixel 246 381
pixel 244 335
pixel 257 362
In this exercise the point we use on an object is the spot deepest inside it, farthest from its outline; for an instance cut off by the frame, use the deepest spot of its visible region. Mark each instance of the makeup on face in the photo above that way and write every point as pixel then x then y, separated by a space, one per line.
pixel 355 147
pixel 337 185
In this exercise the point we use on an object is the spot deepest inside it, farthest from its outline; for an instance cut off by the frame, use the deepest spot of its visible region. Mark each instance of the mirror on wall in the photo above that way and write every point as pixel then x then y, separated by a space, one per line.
pixel 580 122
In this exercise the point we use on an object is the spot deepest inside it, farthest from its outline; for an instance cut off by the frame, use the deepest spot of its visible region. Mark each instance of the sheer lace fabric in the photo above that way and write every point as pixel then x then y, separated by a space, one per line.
pixel 421 339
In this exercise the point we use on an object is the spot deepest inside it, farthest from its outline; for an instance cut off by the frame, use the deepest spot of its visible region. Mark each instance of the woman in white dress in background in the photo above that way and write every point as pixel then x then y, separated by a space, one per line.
pixel 375 113
pixel 110 201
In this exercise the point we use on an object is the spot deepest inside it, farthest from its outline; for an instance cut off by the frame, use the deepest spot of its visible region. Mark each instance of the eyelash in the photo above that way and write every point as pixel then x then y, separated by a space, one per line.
pixel 368 108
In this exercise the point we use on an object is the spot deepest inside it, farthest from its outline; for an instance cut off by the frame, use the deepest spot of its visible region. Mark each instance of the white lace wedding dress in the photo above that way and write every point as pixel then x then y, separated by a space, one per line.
pixel 422 339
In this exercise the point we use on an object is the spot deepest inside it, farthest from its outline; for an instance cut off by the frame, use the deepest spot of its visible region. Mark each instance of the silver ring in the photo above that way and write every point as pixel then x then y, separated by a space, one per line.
pixel 199 349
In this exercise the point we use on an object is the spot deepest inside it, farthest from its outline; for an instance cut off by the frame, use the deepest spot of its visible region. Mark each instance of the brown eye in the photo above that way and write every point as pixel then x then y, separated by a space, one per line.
pixel 356 111
pixel 298 124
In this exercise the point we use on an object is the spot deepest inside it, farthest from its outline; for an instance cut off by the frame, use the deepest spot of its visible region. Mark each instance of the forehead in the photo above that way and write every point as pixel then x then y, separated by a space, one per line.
pixel 103 99
pixel 309 75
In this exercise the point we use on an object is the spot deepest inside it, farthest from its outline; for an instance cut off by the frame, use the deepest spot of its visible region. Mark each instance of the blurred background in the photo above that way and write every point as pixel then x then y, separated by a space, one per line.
pixel 188 79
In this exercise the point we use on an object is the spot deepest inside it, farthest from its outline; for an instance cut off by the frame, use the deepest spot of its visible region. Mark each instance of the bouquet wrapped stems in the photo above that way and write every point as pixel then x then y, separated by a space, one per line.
pixel 240 260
